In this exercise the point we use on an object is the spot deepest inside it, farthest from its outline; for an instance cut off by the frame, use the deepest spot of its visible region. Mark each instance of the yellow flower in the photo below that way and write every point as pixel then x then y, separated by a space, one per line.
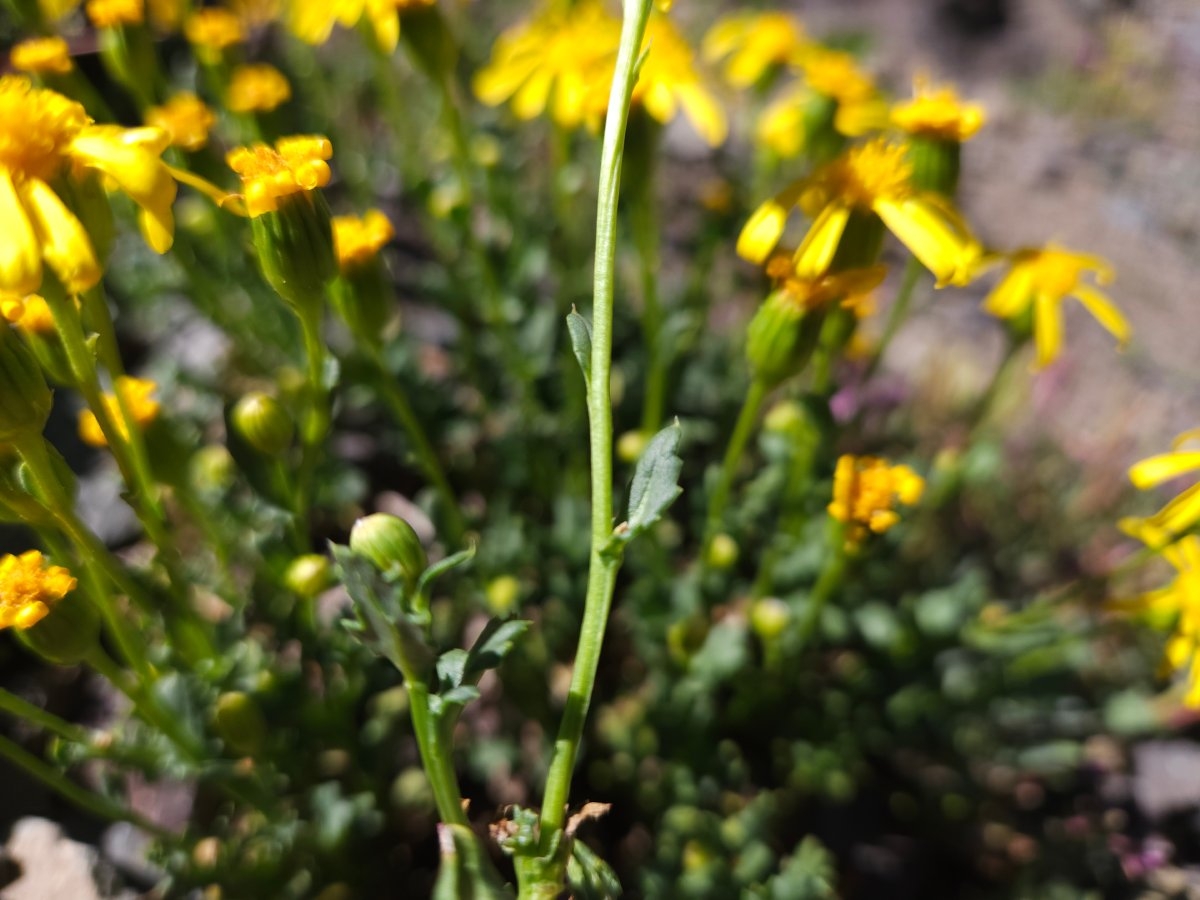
pixel 865 490
pixel 211 30
pixel 312 20
pixel 561 59
pixel 257 88
pixel 269 174
pixel 1042 280
pixel 43 134
pixel 29 589
pixel 1183 512
pixel 358 240
pixel 1178 601
pixel 669 80
pixel 42 56
pixel 937 112
pixel 136 392
pixel 185 118
pixel 31 313
pixel 754 43
pixel 115 13
pixel 851 289
pixel 873 178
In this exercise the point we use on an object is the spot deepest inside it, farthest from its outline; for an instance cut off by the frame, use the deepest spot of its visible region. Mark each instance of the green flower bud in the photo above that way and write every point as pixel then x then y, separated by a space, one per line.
pixel 294 243
pixel 308 575
pixel 822 140
pixel 781 337
pixel 722 552
pixel 390 543
pixel 212 469
pixel 239 722
pixel 936 164
pixel 502 595
pixel 685 637
pixel 861 243
pixel 263 423
pixel 67 634
pixel 411 792
pixel 630 446
pixel 25 399
pixel 770 617
pixel 363 299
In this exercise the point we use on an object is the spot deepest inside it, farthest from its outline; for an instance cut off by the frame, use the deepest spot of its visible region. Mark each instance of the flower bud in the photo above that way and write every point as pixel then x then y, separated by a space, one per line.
pixel 722 552
pixel 936 163
pixel 631 445
pixel 770 617
pixel 308 575
pixel 822 141
pixel 25 399
pixel 263 423
pixel 390 544
pixel 212 469
pixel 861 242
pixel 295 249
pixel 67 634
pixel 502 595
pixel 411 793
pixel 239 722
pixel 781 338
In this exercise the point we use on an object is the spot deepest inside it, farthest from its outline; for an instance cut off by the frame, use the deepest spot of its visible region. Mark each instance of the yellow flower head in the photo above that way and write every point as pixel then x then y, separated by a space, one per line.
pixel 42 56
pixel 185 118
pixel 257 88
pixel 936 112
pixel 865 492
pixel 849 289
pixel 31 313
pixel 43 133
pixel 312 20
pixel 211 30
pixel 836 74
pixel 269 174
pixel 358 240
pixel 755 43
pixel 872 178
pixel 669 80
pixel 1043 279
pixel 1177 605
pixel 137 394
pixel 562 59
pixel 1182 513
pixel 115 13
pixel 29 589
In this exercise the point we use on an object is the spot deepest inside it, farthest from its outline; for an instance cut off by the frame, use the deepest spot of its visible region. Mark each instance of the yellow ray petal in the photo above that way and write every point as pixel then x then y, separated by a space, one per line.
pixel 1105 312
pixel 1153 471
pixel 20 258
pixel 65 244
pixel 1047 329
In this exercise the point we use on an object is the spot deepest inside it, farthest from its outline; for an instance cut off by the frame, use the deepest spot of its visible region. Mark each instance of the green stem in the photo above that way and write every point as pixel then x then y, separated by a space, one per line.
pixel 435 756
pixel 897 314
pixel 86 800
pixel 602 573
pixel 983 406
pixel 95 555
pixel 645 237
pixel 829 581
pixel 14 705
pixel 742 430
pixel 316 423
pixel 426 455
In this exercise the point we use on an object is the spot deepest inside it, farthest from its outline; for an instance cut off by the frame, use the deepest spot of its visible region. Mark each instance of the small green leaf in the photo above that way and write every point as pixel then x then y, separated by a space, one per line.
pixel 450 668
pixel 443 566
pixel 581 343
pixel 589 876
pixel 493 644
pixel 655 487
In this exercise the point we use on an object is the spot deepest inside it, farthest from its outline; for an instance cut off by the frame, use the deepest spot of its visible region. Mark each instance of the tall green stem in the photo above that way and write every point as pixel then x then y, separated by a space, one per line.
pixel 898 313
pixel 316 418
pixel 644 220
pixel 602 573
pixel 719 498
pixel 14 705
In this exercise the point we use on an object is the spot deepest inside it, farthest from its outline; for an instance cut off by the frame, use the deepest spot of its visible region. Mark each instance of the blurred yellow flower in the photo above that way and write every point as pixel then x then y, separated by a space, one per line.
pixel 115 13
pixel 42 56
pixel 211 30
pixel 55 10
pixel 358 240
pixel 850 289
pixel 268 174
pixel 865 492
pixel 43 134
pixel 185 118
pixel 29 589
pixel 258 87
pixel 937 112
pixel 1042 280
pixel 754 43
pixel 562 58
pixel 1177 604
pixel 312 20
pixel 873 178
pixel 669 80
pixel 30 313
pixel 137 394
pixel 1182 513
